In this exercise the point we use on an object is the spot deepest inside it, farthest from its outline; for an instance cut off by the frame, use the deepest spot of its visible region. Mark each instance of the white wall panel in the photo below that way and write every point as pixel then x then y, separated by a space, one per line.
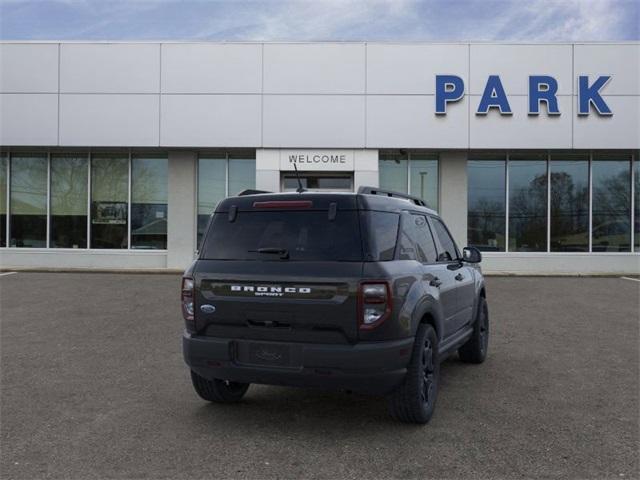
pixel 109 120
pixel 211 120
pixel 621 130
pixel 620 61
pixel 110 68
pixel 514 64
pixel 314 68
pixel 313 121
pixel 28 68
pixel 28 119
pixel 211 68
pixel 521 130
pixel 409 121
pixel 411 69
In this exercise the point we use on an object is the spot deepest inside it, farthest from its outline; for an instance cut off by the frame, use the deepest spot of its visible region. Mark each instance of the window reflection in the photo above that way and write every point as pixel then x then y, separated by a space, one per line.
pixel 570 203
pixel 69 201
pixel 212 172
pixel 242 173
pixel 528 203
pixel 149 196
pixel 486 203
pixel 424 178
pixel 28 223
pixel 109 197
pixel 611 230
pixel 636 189
pixel 393 171
pixel 3 200
pixel 214 181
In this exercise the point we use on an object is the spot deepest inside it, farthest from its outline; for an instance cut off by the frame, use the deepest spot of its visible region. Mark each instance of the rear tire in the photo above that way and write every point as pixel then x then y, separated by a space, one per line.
pixel 218 391
pixel 475 350
pixel 415 400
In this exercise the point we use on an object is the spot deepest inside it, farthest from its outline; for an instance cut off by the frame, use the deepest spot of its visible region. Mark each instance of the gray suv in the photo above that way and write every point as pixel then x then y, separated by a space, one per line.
pixel 365 292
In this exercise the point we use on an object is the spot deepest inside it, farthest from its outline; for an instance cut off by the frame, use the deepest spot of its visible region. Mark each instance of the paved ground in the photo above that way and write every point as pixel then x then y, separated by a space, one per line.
pixel 93 386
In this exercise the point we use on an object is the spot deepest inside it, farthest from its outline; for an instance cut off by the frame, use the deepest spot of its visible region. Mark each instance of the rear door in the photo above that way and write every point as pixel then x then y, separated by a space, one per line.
pixel 282 274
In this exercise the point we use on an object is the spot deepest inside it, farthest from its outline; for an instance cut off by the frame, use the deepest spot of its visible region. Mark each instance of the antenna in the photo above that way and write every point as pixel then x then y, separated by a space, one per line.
pixel 300 189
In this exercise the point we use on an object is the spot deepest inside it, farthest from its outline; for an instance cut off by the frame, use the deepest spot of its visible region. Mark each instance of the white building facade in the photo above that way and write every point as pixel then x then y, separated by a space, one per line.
pixel 113 155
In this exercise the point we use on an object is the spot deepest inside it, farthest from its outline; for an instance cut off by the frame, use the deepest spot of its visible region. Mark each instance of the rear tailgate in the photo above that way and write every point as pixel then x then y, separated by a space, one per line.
pixel 299 301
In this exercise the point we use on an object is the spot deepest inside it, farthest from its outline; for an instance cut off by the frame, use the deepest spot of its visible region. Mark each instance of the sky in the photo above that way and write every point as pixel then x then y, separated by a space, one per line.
pixel 321 20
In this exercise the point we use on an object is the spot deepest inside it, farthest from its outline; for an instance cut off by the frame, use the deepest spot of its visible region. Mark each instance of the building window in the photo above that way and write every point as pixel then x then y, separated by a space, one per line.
pixel 28 207
pixel 487 201
pixel 549 196
pixel 528 203
pixel 149 197
pixel 636 202
pixel 68 208
pixel 220 175
pixel 611 229
pixel 4 165
pixel 109 200
pixel 569 210
pixel 415 173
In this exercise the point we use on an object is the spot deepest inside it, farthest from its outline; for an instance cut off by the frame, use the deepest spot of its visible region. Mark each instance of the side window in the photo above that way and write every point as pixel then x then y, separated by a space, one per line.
pixel 416 242
pixel 425 243
pixel 383 232
pixel 449 247
pixel 406 244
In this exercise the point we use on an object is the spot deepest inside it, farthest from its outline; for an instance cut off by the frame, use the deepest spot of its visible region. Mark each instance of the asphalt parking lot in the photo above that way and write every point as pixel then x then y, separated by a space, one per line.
pixel 93 386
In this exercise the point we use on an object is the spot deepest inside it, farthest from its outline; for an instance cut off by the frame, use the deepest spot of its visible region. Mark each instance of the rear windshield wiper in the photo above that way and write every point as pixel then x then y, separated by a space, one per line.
pixel 283 252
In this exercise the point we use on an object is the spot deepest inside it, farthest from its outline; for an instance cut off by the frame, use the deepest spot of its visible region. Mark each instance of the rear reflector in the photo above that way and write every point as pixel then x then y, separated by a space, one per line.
pixel 284 204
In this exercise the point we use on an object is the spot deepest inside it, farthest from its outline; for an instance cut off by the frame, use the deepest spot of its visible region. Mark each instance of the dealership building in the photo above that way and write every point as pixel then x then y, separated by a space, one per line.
pixel 113 155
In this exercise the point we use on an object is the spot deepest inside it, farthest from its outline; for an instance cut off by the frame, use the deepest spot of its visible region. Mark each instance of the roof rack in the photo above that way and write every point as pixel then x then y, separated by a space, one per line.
pixel 391 193
pixel 250 191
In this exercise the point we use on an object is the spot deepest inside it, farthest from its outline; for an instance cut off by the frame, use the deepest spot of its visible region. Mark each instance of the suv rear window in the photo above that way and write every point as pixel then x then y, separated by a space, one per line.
pixel 304 235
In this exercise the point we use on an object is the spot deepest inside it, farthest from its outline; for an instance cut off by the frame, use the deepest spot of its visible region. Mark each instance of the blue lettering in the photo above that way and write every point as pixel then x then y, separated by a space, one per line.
pixel 590 95
pixel 494 97
pixel 538 94
pixel 449 88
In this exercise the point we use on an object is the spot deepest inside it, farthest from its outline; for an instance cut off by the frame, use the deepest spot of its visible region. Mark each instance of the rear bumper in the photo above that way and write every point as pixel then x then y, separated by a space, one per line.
pixel 369 367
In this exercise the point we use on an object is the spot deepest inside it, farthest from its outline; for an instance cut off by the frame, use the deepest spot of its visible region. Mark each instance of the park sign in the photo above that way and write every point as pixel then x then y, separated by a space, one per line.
pixel 542 89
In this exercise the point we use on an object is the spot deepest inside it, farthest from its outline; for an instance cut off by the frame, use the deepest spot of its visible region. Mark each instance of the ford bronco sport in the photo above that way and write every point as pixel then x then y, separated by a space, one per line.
pixel 365 292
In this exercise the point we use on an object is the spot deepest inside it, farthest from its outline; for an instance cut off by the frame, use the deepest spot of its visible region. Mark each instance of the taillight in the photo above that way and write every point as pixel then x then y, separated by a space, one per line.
pixel 187 298
pixel 374 302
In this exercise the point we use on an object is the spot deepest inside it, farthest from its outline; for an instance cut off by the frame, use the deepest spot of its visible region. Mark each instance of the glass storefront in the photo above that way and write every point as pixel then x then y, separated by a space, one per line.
pixel 28 202
pixel 149 198
pixel 109 198
pixel 4 166
pixel 487 202
pixel 580 201
pixel 569 214
pixel 68 210
pixel 220 175
pixel 528 203
pixel 611 184
pixel 79 200
pixel 415 173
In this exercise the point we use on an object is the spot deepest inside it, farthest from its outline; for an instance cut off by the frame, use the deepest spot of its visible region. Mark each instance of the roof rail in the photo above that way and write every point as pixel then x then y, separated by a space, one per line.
pixel 250 191
pixel 391 193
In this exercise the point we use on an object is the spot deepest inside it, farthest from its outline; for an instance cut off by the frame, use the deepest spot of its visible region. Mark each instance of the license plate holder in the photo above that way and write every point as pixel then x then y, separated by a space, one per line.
pixel 265 354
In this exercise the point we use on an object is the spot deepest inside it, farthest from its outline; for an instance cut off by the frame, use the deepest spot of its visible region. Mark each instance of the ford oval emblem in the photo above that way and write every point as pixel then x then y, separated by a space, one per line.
pixel 206 308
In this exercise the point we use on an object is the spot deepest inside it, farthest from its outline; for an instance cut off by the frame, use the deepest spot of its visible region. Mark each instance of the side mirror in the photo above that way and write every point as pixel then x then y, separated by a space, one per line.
pixel 471 255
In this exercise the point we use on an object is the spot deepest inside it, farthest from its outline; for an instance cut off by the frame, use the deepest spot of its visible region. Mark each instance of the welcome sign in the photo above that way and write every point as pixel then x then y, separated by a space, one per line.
pixel 317 160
